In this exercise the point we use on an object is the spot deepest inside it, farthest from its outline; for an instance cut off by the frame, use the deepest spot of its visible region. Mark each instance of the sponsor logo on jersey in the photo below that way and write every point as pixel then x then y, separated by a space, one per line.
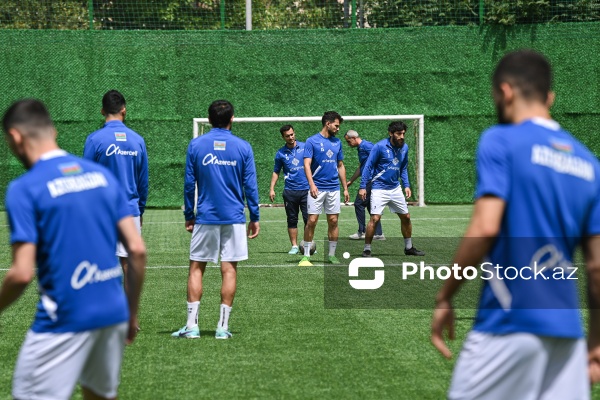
pixel 395 161
pixel 295 161
pixel 219 145
pixel 329 153
pixel 71 168
pixel 211 159
pixel 87 273
pixel 562 162
pixel 561 145
pixel 77 183
pixel 121 136
pixel 114 149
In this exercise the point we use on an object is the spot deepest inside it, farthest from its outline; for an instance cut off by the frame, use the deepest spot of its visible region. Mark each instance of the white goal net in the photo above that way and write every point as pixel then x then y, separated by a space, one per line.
pixel 263 134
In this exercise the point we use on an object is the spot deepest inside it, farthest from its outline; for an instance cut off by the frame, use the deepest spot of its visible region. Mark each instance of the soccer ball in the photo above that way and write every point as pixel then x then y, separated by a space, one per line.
pixel 313 247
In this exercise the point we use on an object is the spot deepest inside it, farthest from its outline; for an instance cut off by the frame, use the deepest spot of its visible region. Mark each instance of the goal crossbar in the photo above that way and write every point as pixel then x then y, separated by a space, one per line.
pixel 421 138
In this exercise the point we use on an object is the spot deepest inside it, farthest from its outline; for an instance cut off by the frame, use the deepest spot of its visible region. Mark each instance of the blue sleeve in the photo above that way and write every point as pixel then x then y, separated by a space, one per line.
pixel 404 171
pixel 367 173
pixel 308 149
pixel 89 151
pixel 21 215
pixel 493 167
pixel 189 186
pixel 143 180
pixel 251 185
pixel 278 164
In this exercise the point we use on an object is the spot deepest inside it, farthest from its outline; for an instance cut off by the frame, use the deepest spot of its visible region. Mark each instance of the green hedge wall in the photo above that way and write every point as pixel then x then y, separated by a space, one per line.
pixel 170 77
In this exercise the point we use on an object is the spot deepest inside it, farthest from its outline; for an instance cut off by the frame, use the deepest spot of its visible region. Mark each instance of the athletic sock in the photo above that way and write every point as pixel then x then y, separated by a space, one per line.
pixel 224 319
pixel 332 247
pixel 307 246
pixel 408 243
pixel 192 314
pixel 367 247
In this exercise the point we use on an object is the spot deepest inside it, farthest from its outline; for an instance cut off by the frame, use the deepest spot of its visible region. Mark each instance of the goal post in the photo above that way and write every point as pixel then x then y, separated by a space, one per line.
pixel 415 124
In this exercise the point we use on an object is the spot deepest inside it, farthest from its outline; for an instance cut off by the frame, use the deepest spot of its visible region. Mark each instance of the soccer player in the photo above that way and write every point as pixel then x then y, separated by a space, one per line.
pixel 222 165
pixel 363 148
pixel 387 162
pixel 65 214
pixel 324 169
pixel 537 199
pixel 123 152
pixel 291 158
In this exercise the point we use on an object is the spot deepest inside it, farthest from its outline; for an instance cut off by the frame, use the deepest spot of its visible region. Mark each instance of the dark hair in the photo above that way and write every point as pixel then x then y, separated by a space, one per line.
pixel 30 113
pixel 113 102
pixel 397 126
pixel 331 116
pixel 526 70
pixel 285 128
pixel 220 113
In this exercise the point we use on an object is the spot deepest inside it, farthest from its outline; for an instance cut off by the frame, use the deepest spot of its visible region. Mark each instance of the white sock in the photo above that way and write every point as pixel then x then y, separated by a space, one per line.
pixel 192 315
pixel 367 247
pixel 307 248
pixel 224 319
pixel 332 247
pixel 408 243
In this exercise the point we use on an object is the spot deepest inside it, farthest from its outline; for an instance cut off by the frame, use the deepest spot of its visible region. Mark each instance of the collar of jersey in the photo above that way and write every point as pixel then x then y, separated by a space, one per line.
pixel 53 154
pixel 546 123
pixel 213 130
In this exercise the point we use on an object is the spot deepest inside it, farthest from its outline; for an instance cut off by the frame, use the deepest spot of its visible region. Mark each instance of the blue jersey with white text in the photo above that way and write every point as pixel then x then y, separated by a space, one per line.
pixel 123 152
pixel 364 150
pixel 292 162
pixel 222 165
pixel 69 208
pixel 325 154
pixel 550 183
pixel 385 165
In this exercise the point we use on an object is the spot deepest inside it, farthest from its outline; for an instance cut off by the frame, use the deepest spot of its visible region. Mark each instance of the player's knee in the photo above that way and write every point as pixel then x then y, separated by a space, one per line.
pixel 405 217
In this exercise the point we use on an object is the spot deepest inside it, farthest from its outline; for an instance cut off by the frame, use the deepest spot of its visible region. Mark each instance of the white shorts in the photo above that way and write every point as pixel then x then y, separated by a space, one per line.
pixel 211 241
pixel 393 198
pixel 121 252
pixel 328 200
pixel 520 366
pixel 50 364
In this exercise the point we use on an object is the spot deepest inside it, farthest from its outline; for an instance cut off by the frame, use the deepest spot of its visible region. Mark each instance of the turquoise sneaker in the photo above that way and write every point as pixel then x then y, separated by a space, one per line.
pixel 185 333
pixel 222 334
pixel 305 262
pixel 333 260
pixel 294 250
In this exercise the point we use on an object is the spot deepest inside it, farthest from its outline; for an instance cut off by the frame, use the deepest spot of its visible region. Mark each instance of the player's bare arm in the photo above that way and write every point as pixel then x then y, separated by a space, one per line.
pixel 342 175
pixel 274 179
pixel 480 235
pixel 311 183
pixel 592 258
pixel 354 177
pixel 407 192
pixel 20 274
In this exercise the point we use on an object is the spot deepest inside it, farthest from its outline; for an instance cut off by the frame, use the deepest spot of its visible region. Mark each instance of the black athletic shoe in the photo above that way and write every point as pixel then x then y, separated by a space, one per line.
pixel 413 252
pixel 366 253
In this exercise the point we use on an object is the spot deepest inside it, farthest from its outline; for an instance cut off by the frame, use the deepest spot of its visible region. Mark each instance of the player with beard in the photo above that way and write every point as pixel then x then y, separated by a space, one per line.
pixel 324 169
pixel 387 162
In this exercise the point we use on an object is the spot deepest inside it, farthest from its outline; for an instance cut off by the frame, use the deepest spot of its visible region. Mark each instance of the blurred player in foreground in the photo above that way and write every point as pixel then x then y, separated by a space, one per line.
pixel 65 214
pixel 537 199
pixel 222 165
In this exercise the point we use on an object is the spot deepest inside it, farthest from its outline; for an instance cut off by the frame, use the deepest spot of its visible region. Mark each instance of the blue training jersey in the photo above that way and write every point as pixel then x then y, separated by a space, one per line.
pixel 292 162
pixel 325 154
pixel 364 150
pixel 222 165
pixel 550 183
pixel 69 208
pixel 123 152
pixel 385 165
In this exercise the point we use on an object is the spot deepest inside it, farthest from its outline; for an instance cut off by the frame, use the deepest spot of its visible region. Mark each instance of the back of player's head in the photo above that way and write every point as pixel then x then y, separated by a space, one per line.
pixel 351 134
pixel 331 116
pixel 285 128
pixel 113 102
pixel 526 70
pixel 397 126
pixel 220 113
pixel 30 116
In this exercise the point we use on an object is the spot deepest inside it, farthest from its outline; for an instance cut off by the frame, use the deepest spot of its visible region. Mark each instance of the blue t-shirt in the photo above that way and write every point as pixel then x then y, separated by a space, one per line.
pixel 69 208
pixel 222 165
pixel 123 152
pixel 292 162
pixel 385 165
pixel 325 154
pixel 550 183
pixel 364 149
